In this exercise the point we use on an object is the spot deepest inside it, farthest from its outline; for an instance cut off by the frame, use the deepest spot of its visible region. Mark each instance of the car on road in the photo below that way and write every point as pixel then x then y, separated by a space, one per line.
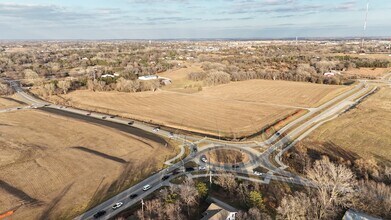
pixel 235 166
pixel 171 135
pixel 112 116
pixel 256 173
pixel 278 134
pixel 146 187
pixel 133 196
pixel 131 122
pixel 203 159
pixel 201 168
pixel 99 214
pixel 104 117
pixel 46 105
pixel 89 113
pixel 18 108
pixel 176 171
pixel 165 177
pixel 117 205
pixel 156 129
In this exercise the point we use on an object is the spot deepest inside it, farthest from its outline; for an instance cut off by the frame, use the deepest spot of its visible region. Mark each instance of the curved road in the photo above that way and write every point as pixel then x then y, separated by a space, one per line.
pixel 292 132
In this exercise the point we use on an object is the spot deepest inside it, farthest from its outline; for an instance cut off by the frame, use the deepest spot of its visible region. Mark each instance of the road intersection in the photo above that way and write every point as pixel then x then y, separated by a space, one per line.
pixel 266 154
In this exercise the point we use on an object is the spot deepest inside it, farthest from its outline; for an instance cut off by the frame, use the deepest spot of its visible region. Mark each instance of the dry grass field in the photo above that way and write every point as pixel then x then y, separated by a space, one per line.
pixel 368 72
pixel 234 110
pixel 364 131
pixel 180 82
pixel 56 166
pixel 298 94
pixel 7 102
pixel 185 111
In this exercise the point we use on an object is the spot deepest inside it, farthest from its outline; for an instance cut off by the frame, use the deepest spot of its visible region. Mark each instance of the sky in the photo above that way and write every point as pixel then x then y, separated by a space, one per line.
pixel 181 19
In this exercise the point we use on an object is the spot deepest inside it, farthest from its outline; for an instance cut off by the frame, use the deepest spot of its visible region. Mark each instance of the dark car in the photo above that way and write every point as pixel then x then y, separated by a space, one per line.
pixel 133 196
pixel 103 117
pixel 278 134
pixel 131 122
pixel 176 171
pixel 165 177
pixel 235 166
pixel 89 113
pixel 112 116
pixel 189 169
pixel 100 214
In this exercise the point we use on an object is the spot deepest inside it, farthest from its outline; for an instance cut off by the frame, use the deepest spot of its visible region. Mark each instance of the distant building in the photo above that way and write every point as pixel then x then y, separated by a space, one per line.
pixel 148 77
pixel 331 73
pixel 355 215
pixel 163 80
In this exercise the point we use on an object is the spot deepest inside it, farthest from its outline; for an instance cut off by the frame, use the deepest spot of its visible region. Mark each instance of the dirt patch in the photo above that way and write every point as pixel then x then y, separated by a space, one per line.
pixel 221 156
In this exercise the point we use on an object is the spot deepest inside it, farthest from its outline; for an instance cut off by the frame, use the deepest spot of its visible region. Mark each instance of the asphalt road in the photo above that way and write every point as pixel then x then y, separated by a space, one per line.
pixel 122 126
pixel 292 131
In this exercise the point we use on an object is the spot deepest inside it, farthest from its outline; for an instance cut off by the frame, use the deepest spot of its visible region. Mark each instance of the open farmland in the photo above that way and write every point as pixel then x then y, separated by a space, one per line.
pixel 58 166
pixel 180 82
pixel 219 110
pixel 296 94
pixel 363 132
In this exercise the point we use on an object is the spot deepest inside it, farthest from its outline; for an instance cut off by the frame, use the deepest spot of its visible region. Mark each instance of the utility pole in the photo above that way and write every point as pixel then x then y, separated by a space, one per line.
pixel 142 207
pixel 365 26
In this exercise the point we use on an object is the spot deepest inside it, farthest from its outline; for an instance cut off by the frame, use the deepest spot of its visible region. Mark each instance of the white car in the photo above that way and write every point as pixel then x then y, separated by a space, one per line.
pixel 257 173
pixel 201 168
pixel 146 187
pixel 204 160
pixel 156 129
pixel 117 205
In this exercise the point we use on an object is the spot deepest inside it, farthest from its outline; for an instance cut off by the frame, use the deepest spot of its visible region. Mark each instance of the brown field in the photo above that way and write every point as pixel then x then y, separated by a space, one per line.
pixel 8 103
pixel 236 109
pixel 55 167
pixel 180 83
pixel 296 94
pixel 368 72
pixel 362 132
pixel 192 112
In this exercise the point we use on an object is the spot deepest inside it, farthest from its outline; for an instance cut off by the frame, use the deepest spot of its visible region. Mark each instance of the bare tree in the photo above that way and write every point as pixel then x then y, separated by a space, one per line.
pixel 5 89
pixel 188 193
pixel 217 77
pixel 49 88
pixel 252 214
pixel 227 181
pixel 64 85
pixel 374 198
pixel 334 186
pixel 295 207
pixel 173 211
